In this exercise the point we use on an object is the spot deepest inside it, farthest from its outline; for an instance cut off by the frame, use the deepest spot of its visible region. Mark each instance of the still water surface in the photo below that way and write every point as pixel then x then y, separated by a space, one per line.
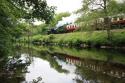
pixel 63 65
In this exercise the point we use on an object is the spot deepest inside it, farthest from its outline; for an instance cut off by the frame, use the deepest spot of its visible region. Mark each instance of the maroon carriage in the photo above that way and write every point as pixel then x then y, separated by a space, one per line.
pixel 71 27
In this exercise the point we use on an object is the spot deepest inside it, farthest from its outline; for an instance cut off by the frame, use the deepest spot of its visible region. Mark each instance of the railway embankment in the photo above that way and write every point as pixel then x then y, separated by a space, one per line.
pixel 97 39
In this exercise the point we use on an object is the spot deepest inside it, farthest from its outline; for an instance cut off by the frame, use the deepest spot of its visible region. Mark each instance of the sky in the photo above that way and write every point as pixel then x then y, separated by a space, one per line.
pixel 65 5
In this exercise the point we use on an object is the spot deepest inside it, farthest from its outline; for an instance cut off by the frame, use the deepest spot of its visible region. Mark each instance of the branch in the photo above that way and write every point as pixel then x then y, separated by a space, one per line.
pixel 100 5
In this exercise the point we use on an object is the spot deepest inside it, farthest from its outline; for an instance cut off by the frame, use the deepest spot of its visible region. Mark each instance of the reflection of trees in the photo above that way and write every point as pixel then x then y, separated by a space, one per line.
pixel 95 71
pixel 98 69
pixel 93 77
pixel 13 68
pixel 46 55
pixel 52 60
pixel 97 54
pixel 89 72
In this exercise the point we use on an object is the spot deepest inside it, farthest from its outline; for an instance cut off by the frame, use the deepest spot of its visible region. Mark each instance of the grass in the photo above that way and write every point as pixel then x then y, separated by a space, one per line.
pixel 91 38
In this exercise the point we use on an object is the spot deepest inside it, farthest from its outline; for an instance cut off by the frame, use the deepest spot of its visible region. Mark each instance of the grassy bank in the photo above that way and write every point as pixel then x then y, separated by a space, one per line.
pixel 84 39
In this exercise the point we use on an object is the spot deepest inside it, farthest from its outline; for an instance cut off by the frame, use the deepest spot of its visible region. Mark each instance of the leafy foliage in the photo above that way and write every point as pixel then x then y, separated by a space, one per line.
pixel 13 10
pixel 94 9
pixel 58 17
pixel 35 9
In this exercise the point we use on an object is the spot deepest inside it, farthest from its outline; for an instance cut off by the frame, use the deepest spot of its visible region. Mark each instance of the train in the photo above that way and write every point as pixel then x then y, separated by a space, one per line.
pixel 118 22
pixel 98 24
pixel 115 23
pixel 63 29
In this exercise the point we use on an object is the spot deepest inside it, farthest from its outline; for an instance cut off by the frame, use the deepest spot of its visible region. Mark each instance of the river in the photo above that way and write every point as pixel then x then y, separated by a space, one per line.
pixel 42 64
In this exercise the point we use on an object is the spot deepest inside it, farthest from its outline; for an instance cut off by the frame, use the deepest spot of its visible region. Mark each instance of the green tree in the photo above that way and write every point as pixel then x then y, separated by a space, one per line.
pixel 13 10
pixel 58 17
pixel 35 9
pixel 94 9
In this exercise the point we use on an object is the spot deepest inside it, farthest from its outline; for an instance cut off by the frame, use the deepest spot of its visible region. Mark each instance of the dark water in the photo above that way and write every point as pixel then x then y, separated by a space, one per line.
pixel 62 65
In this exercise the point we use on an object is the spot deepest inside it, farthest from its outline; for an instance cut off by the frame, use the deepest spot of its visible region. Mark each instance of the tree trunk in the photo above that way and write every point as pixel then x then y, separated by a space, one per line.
pixel 107 26
pixel 107 21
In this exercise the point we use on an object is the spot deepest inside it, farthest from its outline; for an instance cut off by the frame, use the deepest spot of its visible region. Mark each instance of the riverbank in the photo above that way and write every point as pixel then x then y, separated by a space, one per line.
pixel 82 39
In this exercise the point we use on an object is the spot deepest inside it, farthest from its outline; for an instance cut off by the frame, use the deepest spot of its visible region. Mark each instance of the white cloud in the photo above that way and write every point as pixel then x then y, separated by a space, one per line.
pixel 65 5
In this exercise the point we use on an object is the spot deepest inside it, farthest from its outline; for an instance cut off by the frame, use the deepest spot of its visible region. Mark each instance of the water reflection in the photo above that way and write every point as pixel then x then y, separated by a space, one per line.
pixel 50 75
pixel 94 71
pixel 13 69
pixel 62 65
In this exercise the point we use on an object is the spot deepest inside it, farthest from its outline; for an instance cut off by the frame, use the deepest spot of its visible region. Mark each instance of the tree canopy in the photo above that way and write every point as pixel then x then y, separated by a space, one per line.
pixel 93 9
pixel 13 10
pixel 58 17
